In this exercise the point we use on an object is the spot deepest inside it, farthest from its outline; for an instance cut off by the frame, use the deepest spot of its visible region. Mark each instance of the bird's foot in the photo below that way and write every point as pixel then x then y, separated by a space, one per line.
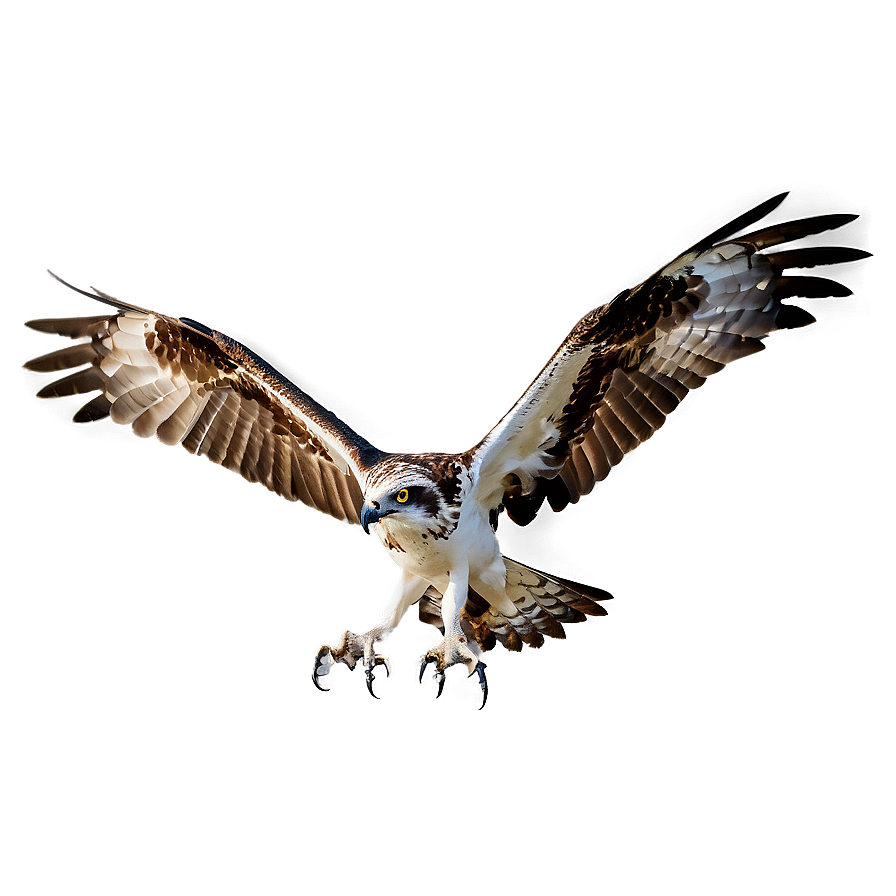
pixel 350 649
pixel 451 652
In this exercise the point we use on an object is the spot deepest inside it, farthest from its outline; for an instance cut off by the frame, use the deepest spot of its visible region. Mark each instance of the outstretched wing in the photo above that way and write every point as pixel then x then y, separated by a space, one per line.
pixel 628 364
pixel 188 384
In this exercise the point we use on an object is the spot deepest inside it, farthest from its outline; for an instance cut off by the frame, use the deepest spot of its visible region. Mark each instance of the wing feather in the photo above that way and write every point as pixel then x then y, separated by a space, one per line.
pixel 191 385
pixel 628 364
pixel 542 605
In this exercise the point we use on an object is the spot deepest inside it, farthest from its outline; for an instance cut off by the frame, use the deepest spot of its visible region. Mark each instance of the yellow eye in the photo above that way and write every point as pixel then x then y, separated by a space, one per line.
pixel 402 496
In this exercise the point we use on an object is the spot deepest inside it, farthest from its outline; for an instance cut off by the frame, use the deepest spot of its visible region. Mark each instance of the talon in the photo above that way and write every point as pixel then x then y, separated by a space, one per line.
pixel 480 668
pixel 378 660
pixel 318 664
pixel 426 661
pixel 440 678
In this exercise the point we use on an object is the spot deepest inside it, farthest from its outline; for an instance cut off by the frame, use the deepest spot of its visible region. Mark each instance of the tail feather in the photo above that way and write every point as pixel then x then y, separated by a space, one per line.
pixel 543 603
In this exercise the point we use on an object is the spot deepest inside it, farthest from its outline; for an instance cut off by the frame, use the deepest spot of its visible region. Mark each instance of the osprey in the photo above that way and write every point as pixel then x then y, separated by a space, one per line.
pixel 622 369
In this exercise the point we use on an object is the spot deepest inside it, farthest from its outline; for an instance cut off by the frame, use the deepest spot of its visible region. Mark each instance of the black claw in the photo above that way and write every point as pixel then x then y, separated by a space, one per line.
pixel 480 668
pixel 316 682
pixel 439 676
pixel 378 660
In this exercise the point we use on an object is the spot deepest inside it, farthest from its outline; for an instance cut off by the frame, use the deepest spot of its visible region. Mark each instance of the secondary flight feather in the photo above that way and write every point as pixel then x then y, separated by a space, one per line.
pixel 620 372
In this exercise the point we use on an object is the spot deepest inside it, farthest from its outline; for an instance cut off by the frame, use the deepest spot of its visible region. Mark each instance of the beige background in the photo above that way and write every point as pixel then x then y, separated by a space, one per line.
pixel 405 207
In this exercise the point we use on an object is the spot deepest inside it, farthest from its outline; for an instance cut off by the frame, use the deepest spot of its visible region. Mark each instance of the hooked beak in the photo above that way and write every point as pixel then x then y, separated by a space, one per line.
pixel 371 514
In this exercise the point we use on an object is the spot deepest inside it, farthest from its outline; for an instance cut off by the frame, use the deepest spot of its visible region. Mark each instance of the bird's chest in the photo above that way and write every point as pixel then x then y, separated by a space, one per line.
pixel 425 552
pixel 431 552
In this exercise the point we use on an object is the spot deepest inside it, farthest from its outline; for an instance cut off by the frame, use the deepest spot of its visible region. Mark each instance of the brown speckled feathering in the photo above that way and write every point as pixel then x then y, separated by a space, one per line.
pixel 190 385
pixel 644 351
pixel 621 371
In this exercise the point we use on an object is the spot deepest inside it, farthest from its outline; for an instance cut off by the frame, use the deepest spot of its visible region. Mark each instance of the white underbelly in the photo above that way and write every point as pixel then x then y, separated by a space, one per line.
pixel 472 546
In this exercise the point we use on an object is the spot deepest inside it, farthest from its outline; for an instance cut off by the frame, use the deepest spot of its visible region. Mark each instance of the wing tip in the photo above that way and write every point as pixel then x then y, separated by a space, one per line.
pixel 764 208
pixel 792 317
pixel 42 325
pixel 98 295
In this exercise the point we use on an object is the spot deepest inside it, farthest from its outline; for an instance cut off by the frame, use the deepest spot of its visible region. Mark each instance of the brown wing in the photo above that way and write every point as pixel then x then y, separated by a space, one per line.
pixel 627 365
pixel 188 384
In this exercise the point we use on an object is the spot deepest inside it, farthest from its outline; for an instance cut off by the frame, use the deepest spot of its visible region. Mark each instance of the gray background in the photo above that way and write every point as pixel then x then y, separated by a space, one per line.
pixel 406 207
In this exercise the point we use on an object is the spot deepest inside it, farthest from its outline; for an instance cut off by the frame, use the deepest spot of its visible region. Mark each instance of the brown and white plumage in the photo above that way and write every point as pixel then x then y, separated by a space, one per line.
pixel 190 385
pixel 611 384
pixel 628 364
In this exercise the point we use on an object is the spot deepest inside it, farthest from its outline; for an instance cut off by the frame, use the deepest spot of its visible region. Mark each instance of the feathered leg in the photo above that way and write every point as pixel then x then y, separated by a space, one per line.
pixel 454 647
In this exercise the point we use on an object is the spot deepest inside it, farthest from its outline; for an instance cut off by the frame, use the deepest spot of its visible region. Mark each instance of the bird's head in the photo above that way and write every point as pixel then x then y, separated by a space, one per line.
pixel 409 494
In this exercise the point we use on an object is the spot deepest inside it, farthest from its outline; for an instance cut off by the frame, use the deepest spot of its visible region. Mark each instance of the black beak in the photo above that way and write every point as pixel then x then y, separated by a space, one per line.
pixel 369 515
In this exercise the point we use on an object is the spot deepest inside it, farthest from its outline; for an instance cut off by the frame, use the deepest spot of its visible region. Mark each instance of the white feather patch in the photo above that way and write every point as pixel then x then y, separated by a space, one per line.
pixel 133 323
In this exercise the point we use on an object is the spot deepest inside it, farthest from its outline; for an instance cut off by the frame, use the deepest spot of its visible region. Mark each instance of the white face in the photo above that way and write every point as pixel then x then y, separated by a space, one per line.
pixel 406 496
pixel 412 502
pixel 421 494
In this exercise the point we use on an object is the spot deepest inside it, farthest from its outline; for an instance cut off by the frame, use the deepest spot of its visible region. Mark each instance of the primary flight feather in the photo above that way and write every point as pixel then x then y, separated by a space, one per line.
pixel 622 369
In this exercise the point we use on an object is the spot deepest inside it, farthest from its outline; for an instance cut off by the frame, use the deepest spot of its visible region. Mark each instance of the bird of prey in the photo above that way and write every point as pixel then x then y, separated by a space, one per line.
pixel 621 370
